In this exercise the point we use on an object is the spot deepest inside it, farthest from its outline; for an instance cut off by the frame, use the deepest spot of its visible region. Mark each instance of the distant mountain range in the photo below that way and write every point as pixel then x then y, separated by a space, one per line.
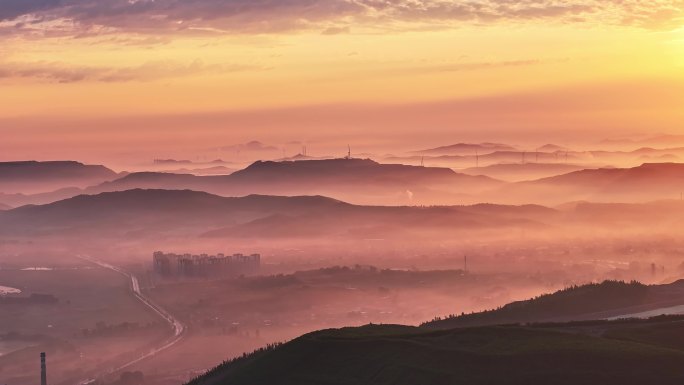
pixel 156 211
pixel 514 172
pixel 198 213
pixel 488 158
pixel 654 140
pixel 216 170
pixel 466 149
pixel 548 154
pixel 650 181
pixel 31 177
pixel 552 148
pixel 360 181
pixel 364 182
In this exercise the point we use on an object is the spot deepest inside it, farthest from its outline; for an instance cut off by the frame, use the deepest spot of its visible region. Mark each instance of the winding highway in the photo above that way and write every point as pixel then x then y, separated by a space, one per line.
pixel 177 325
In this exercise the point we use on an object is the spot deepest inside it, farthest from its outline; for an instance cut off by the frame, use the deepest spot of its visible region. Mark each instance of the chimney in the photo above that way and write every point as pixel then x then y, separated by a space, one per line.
pixel 43 369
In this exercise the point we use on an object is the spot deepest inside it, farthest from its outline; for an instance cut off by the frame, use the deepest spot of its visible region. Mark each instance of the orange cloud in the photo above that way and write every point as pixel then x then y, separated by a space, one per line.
pixel 63 73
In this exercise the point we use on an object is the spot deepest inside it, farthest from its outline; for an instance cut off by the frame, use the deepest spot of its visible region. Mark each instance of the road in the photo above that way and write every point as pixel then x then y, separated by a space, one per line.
pixel 177 325
pixel 669 310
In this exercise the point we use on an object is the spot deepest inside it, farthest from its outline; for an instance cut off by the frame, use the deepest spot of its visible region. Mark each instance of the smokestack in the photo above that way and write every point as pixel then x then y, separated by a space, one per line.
pixel 43 369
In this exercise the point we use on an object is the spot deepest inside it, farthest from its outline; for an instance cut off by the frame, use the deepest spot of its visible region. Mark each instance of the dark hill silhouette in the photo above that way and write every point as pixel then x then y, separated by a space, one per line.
pixel 152 209
pixel 616 353
pixel 33 176
pixel 344 171
pixel 359 181
pixel 586 302
pixel 254 216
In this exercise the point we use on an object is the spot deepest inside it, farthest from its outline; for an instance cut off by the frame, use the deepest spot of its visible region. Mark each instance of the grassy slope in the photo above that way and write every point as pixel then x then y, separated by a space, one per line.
pixel 568 304
pixel 489 355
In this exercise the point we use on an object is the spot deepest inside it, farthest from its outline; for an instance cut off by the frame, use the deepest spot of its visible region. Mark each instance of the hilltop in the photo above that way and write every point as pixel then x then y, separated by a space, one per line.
pixel 554 338
pixel 648 182
pixel 152 210
pixel 254 216
pixel 514 172
pixel 34 176
pixel 466 149
pixel 586 302
pixel 401 355
pixel 360 181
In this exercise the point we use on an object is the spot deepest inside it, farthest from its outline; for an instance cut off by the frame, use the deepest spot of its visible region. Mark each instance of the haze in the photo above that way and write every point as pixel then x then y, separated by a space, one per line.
pixel 401 192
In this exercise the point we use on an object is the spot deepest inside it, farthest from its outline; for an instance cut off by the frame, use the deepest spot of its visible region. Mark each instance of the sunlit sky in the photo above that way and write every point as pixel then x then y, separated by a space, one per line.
pixel 81 78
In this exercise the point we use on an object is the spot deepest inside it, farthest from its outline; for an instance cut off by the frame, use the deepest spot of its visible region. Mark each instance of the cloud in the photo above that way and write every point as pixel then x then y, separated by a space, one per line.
pixel 335 30
pixel 11 9
pixel 474 66
pixel 64 73
pixel 88 17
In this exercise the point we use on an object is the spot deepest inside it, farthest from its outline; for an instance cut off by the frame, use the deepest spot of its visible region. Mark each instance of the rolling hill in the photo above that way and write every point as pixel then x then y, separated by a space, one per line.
pixel 515 172
pixel 620 353
pixel 359 181
pixel 19 199
pixel 466 149
pixel 195 213
pixel 155 210
pixel 648 182
pixel 577 303
pixel 30 177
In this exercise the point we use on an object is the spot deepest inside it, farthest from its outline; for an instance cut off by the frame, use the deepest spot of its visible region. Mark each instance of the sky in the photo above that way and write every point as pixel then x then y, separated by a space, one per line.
pixel 114 79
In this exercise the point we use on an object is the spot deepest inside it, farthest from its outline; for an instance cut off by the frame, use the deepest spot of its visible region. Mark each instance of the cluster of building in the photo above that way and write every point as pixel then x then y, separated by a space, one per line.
pixel 204 265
